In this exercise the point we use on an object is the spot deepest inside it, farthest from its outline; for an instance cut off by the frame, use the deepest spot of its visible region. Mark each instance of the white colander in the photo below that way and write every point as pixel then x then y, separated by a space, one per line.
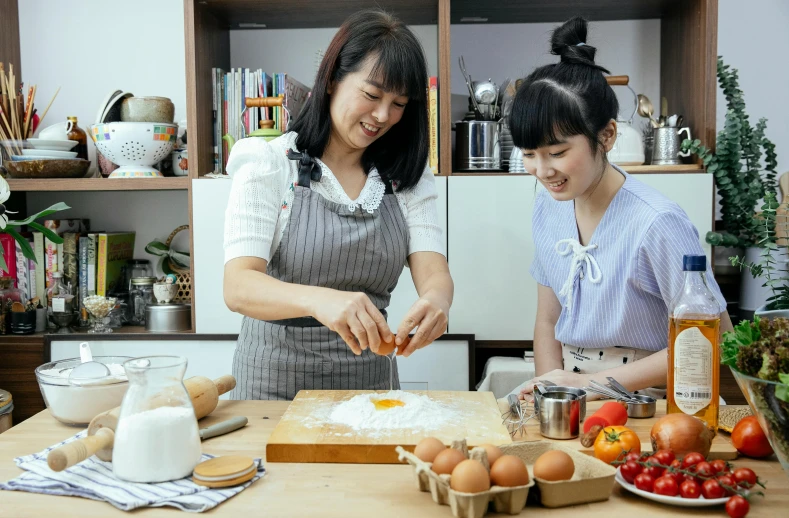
pixel 134 146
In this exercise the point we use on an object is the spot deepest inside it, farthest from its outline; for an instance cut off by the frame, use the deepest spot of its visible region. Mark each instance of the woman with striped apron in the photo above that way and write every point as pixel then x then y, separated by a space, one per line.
pixel 322 220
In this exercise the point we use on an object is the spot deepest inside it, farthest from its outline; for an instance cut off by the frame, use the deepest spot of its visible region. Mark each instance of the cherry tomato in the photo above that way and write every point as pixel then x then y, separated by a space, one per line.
pixel 665 457
pixel 666 486
pixel 737 506
pixel 634 456
pixel 690 489
pixel 727 481
pixel 719 466
pixel 644 482
pixel 630 470
pixel 744 477
pixel 704 470
pixel 676 464
pixel 691 459
pixel 749 439
pixel 712 489
pixel 654 471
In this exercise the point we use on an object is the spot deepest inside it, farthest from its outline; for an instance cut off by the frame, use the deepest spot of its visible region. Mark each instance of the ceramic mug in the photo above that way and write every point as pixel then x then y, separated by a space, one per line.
pixel 57 131
pixel 180 162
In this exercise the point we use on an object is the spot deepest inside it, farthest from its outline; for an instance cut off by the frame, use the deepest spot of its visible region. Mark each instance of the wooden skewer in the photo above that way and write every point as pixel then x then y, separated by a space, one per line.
pixel 29 111
pixel 41 119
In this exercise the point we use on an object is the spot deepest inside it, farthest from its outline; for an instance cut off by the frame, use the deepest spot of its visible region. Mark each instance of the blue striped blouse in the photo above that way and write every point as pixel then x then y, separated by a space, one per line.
pixel 623 282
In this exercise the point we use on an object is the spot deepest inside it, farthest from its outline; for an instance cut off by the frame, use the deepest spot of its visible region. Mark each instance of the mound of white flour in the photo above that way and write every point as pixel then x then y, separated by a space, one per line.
pixel 419 412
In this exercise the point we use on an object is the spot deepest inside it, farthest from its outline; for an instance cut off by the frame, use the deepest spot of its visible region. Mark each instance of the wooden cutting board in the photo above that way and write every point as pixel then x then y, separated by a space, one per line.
pixel 721 445
pixel 306 434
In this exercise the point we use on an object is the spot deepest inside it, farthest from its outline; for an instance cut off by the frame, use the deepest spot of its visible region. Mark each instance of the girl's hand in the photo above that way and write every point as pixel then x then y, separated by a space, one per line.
pixel 561 377
pixel 429 314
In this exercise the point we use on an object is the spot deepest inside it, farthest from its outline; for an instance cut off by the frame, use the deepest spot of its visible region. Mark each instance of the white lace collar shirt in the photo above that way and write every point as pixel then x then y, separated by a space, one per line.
pixel 262 193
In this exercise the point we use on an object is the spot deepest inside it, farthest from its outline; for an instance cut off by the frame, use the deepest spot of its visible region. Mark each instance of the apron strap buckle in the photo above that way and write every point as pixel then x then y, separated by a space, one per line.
pixel 308 167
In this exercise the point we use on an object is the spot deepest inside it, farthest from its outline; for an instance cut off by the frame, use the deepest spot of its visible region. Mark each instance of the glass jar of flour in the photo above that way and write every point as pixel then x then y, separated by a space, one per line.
pixel 157 438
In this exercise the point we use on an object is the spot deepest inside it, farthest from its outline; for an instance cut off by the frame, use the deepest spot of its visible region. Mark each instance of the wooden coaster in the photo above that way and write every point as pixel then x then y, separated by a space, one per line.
pixel 730 415
pixel 224 471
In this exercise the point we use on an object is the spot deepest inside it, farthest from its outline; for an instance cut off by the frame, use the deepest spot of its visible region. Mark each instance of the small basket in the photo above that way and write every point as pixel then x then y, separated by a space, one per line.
pixel 183 275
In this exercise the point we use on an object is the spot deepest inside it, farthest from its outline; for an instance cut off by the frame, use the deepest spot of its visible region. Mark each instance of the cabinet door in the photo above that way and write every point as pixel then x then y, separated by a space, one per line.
pixel 404 295
pixel 209 199
pixel 694 193
pixel 490 251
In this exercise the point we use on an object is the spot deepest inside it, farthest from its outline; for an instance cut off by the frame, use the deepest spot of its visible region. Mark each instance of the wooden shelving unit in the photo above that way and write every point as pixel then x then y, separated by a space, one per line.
pixel 99 184
pixel 633 169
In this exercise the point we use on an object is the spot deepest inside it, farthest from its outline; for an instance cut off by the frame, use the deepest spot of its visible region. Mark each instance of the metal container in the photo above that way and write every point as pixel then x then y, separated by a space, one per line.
pixel 577 392
pixel 168 318
pixel 645 407
pixel 666 146
pixel 559 414
pixel 478 146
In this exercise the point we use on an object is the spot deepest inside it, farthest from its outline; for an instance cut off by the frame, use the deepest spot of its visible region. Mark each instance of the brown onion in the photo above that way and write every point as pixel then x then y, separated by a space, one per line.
pixel 682 434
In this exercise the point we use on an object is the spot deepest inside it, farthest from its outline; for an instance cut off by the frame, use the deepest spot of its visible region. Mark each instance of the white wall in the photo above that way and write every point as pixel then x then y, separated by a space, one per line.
pixel 299 58
pixel 499 51
pixel 92 47
pixel 754 40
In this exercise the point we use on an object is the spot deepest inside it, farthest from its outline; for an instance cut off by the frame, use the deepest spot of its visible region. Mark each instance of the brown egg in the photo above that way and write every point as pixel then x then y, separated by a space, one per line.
pixel 386 348
pixel 470 476
pixel 493 452
pixel 554 465
pixel 428 448
pixel 446 461
pixel 509 471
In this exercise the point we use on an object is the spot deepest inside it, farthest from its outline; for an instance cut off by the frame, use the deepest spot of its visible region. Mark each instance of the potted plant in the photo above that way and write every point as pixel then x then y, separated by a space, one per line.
pixel 743 165
pixel 9 226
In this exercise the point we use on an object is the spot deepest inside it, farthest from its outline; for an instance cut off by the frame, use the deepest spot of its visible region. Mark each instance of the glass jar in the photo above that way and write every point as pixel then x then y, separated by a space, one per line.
pixel 80 136
pixel 8 295
pixel 136 268
pixel 141 294
pixel 157 438
pixel 59 296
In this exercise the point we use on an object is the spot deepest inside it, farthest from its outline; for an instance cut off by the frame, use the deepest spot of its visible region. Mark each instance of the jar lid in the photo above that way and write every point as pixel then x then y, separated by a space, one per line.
pixel 225 471
pixel 168 308
pixel 137 281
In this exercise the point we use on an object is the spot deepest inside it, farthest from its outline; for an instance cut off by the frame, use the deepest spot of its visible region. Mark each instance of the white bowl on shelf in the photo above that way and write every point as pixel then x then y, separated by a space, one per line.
pixel 49 153
pixel 56 145
pixel 134 146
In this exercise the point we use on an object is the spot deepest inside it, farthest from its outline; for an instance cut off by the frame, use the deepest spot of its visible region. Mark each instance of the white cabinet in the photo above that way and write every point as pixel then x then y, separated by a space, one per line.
pixel 490 247
pixel 404 295
pixel 490 250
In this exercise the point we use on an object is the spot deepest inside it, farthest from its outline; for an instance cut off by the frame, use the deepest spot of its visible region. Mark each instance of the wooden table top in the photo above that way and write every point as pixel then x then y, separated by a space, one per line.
pixel 342 490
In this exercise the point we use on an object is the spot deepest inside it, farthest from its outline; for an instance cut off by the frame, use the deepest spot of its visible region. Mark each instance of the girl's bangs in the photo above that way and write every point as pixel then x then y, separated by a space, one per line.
pixel 397 69
pixel 544 115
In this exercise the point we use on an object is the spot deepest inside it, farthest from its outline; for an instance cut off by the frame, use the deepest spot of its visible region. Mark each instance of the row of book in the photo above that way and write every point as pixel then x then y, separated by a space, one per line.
pixel 232 116
pixel 93 263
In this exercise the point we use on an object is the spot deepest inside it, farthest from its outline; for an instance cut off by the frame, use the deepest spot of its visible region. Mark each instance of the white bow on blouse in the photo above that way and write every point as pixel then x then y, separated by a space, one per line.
pixel 580 256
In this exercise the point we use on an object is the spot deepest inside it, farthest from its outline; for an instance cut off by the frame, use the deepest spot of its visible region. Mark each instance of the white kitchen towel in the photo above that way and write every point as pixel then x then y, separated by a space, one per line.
pixel 93 478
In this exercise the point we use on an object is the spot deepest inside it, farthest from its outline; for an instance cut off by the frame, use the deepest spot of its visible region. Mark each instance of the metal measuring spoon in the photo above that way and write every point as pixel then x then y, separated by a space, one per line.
pixel 645 109
pixel 88 369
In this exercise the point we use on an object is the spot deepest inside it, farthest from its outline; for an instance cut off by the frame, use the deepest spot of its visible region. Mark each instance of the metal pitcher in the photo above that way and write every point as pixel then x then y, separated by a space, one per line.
pixel 559 414
pixel 666 147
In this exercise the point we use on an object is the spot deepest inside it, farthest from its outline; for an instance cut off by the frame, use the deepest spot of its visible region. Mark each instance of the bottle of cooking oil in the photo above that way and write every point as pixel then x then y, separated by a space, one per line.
pixel 693 360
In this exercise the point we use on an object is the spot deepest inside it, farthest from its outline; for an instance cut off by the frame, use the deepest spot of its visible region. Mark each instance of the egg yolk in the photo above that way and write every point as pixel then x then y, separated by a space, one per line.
pixel 386 404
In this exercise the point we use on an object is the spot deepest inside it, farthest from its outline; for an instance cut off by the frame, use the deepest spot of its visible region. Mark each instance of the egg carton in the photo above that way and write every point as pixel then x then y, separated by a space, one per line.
pixel 592 481
pixel 508 500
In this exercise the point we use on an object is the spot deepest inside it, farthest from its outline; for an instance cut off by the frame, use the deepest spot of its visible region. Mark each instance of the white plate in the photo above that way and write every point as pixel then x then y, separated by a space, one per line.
pixel 49 153
pixel 670 500
pixel 56 145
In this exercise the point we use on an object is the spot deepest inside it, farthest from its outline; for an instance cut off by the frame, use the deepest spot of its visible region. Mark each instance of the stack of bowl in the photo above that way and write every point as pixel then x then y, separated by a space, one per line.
pixel 134 133
pixel 49 155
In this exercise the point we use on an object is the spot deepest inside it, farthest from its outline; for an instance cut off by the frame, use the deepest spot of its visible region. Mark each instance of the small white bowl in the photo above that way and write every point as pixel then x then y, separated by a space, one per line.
pixel 58 145
pixel 49 153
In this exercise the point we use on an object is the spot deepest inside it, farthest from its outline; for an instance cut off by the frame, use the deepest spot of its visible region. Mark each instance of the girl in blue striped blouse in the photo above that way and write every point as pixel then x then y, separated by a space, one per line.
pixel 608 248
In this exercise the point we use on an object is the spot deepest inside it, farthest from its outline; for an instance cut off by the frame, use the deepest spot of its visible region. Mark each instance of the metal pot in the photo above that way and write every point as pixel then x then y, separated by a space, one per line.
pixel 168 318
pixel 478 146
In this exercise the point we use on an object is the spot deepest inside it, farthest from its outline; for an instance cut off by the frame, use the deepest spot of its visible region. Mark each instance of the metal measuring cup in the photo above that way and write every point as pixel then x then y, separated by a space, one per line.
pixel 559 414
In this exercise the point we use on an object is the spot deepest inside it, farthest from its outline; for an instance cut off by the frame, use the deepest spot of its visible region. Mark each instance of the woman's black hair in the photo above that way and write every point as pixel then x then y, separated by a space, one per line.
pixel 399 66
pixel 565 99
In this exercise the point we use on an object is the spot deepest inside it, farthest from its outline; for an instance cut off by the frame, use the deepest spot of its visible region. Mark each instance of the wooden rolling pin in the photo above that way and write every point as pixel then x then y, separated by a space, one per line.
pixel 101 431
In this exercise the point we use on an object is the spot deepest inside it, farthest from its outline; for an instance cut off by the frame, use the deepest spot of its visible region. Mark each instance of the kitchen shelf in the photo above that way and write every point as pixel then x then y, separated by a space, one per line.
pixel 633 169
pixel 540 11
pixel 98 184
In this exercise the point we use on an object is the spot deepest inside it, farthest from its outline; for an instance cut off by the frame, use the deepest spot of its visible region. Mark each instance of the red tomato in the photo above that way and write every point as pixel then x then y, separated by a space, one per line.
pixel 749 439
pixel 719 466
pixel 728 483
pixel 634 456
pixel 737 507
pixel 630 470
pixel 744 477
pixel 666 486
pixel 704 470
pixel 691 459
pixel 690 489
pixel 654 471
pixel 644 482
pixel 676 464
pixel 712 489
pixel 665 457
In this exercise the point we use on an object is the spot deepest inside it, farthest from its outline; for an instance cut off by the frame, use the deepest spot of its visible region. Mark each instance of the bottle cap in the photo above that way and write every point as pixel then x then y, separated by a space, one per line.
pixel 694 263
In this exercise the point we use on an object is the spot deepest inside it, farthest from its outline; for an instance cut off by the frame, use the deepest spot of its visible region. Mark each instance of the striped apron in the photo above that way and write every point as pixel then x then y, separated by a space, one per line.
pixel 325 244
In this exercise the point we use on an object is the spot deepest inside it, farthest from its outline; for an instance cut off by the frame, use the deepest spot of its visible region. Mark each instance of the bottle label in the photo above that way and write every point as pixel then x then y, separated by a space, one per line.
pixel 692 370
pixel 58 304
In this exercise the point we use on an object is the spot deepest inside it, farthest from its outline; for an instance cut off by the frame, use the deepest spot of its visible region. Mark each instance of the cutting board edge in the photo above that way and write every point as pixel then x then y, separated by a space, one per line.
pixel 325 454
